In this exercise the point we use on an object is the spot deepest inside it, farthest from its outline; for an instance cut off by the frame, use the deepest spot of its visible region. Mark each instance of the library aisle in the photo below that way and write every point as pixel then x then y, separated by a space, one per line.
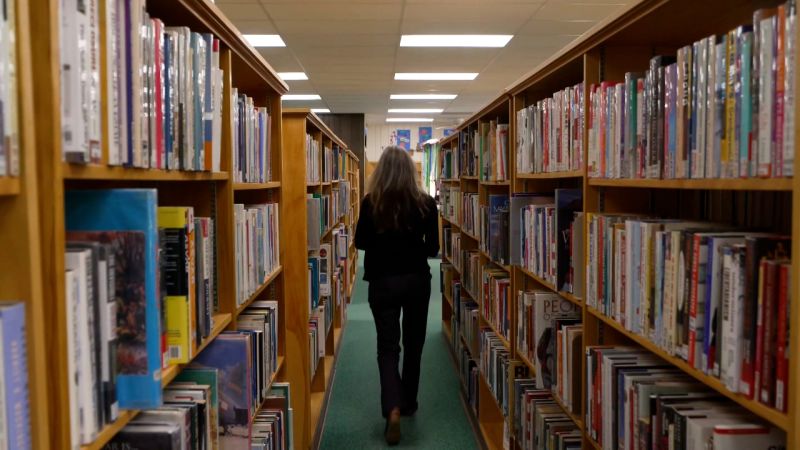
pixel 353 419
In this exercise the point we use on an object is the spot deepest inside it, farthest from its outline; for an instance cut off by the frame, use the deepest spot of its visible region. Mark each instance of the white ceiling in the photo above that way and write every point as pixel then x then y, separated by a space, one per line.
pixel 350 49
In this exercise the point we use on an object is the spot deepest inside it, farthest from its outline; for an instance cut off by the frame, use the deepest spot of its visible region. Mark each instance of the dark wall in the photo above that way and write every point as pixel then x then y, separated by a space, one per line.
pixel 351 128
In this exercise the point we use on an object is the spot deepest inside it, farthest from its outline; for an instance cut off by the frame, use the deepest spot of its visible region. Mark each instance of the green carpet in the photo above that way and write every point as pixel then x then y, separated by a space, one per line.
pixel 354 416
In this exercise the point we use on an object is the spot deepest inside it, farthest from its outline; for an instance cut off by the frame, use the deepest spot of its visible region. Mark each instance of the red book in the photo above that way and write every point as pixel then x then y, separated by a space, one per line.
pixel 760 310
pixel 781 355
pixel 693 298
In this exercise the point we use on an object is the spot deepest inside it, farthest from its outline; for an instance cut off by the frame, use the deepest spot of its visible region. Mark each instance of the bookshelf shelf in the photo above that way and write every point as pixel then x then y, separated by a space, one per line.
pixel 470 177
pixel 110 430
pixel 270 279
pixel 112 173
pixel 571 415
pixel 723 184
pixel 566 295
pixel 9 186
pixel 778 418
pixel 526 361
pixel 500 336
pixel 469 235
pixel 495 183
pixel 550 175
pixel 505 267
pixel 221 322
pixel 256 186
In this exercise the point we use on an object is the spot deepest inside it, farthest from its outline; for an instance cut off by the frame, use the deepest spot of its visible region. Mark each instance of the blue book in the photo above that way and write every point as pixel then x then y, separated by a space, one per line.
pixel 231 355
pixel 139 347
pixel 313 263
pixel 14 359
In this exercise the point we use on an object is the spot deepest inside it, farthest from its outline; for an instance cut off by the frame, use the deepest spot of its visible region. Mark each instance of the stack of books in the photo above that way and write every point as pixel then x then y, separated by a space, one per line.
pixel 495 363
pixel 257 246
pixel 539 421
pixel 251 146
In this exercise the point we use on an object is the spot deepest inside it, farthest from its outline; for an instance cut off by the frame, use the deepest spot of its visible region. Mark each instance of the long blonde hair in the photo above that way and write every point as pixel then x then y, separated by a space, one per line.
pixel 394 190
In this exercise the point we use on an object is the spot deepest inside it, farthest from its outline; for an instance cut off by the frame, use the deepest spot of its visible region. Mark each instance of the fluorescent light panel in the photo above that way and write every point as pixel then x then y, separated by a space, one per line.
pixel 320 110
pixel 409 119
pixel 422 96
pixel 435 76
pixel 455 40
pixel 265 40
pixel 415 111
pixel 291 97
pixel 292 76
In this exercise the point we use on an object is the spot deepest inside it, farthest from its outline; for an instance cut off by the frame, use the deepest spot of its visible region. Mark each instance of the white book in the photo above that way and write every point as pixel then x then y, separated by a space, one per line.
pixel 11 95
pixel 113 70
pixel 92 82
pixel 216 148
pixel 73 137
pixel 73 356
pixel 747 436
pixel 78 261
pixel 710 118
pixel 766 94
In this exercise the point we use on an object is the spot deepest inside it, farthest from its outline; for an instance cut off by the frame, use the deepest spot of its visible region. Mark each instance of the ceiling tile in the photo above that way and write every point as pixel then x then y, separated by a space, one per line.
pixel 342 27
pixel 256 27
pixel 576 11
pixel 243 11
pixel 334 11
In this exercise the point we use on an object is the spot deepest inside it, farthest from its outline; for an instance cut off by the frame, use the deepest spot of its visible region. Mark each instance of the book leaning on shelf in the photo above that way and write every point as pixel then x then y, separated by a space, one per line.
pixel 723 107
pixel 162 86
pixel 15 426
pixel 550 133
pixel 715 297
pixel 9 95
pixel 636 401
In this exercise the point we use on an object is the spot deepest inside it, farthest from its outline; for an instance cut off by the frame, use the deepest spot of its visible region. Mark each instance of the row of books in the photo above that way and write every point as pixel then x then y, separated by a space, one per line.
pixel 470 265
pixel 711 295
pixel 541 317
pixel 257 234
pixel 9 95
pixel 496 304
pixel 450 242
pixel 326 260
pixel 469 152
pixel 225 399
pixel 317 335
pixel 332 163
pixel 118 335
pixel 550 133
pixel 470 218
pixel 450 207
pixel 319 212
pixel 341 200
pixel 252 140
pixel 495 363
pixel 494 228
pixel 723 108
pixel 163 87
pixel 313 160
pixel 449 164
pixel 468 373
pixel 539 421
pixel 547 237
pixel 635 401
pixel 492 140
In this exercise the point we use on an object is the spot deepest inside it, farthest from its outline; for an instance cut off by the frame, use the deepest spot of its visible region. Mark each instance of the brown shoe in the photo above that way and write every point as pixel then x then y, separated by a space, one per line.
pixel 392 433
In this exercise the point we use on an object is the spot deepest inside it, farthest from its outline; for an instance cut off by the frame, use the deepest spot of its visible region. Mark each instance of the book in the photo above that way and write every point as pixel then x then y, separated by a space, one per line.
pixel 14 403
pixel 107 213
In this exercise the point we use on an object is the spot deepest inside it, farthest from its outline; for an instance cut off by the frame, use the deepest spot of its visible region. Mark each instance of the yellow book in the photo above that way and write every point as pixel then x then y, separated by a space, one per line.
pixel 178 333
pixel 179 265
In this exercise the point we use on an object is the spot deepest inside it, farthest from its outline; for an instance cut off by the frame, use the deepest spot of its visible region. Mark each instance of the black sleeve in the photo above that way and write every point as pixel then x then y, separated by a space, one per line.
pixel 432 229
pixel 365 228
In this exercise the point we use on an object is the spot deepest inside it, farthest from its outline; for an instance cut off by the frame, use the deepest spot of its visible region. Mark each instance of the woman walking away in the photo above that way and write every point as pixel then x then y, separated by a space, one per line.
pixel 398 230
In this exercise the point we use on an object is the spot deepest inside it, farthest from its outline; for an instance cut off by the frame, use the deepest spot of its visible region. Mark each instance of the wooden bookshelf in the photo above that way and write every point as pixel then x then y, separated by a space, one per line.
pixel 210 193
pixel 9 186
pixel 624 43
pixel 310 390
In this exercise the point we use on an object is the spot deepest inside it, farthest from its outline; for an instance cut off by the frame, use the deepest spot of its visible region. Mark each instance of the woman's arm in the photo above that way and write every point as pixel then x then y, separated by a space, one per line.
pixel 432 229
pixel 365 228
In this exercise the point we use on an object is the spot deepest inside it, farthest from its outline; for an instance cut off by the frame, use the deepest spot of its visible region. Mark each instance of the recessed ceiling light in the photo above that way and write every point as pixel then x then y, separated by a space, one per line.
pixel 265 40
pixel 292 76
pixel 409 119
pixel 435 76
pixel 455 40
pixel 415 110
pixel 320 110
pixel 423 96
pixel 301 97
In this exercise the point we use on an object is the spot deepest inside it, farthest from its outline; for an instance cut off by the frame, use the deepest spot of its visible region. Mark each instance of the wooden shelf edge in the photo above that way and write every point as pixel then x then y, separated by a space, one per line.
pixel 256 186
pixel 550 175
pixel 500 335
pixel 524 359
pixel 470 235
pixel 565 295
pixel 221 321
pixel 109 431
pixel 270 278
pixel 119 173
pixel 495 183
pixel 9 186
pixel 505 267
pixel 726 184
pixel 777 418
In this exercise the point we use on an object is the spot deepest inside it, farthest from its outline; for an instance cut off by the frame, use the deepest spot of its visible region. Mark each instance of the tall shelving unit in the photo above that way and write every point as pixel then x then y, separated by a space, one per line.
pixel 311 390
pixel 353 171
pixel 211 194
pixel 625 43
pixel 20 259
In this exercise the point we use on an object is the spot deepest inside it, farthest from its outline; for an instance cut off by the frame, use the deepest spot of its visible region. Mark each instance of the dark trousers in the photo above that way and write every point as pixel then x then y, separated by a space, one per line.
pixel 388 296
